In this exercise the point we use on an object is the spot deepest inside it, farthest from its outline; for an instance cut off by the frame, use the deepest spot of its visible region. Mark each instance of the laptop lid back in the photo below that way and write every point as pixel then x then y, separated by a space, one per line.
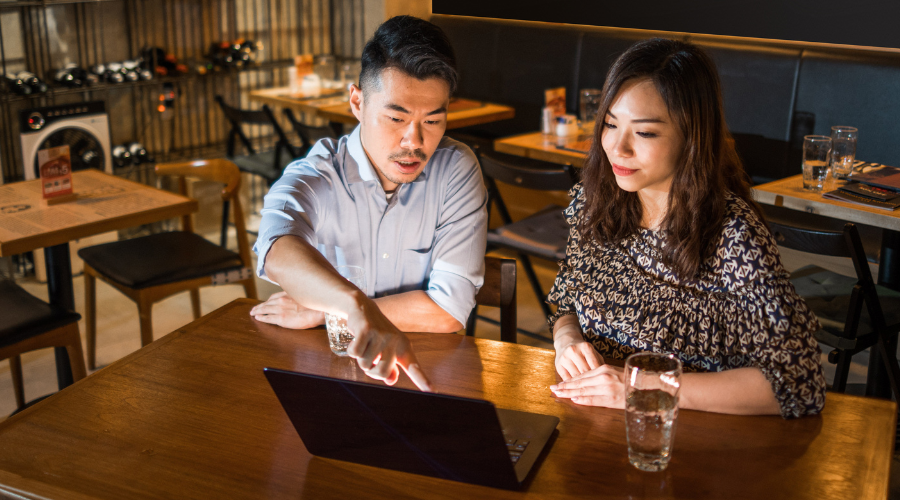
pixel 422 433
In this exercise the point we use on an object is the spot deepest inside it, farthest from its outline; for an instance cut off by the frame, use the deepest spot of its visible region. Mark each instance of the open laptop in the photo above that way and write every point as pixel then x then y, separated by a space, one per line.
pixel 461 439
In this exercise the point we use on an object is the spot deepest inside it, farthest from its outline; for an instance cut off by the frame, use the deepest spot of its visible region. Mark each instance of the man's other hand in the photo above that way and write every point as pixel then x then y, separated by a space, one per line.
pixel 284 311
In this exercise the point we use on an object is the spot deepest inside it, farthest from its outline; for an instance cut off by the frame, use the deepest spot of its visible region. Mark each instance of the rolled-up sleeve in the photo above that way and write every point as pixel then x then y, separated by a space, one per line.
pixel 293 206
pixel 460 239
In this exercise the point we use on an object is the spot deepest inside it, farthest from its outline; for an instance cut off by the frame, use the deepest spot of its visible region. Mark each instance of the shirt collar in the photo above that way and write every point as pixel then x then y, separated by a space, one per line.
pixel 365 171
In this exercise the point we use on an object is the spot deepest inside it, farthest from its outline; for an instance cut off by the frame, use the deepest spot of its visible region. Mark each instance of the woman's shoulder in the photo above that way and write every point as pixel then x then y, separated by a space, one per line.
pixel 745 249
pixel 573 212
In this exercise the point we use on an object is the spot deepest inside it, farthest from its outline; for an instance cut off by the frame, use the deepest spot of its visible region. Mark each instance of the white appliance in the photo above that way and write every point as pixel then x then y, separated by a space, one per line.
pixel 84 127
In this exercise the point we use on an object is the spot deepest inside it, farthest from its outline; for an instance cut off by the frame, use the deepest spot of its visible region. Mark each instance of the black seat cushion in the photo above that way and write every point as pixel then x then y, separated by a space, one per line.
pixel 159 258
pixel 24 315
pixel 543 234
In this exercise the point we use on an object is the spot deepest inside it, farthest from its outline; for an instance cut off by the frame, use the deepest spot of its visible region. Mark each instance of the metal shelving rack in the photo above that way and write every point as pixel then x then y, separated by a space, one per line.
pixel 42 35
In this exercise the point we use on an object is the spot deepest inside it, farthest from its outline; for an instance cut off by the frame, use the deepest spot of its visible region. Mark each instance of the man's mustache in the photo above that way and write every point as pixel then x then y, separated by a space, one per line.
pixel 399 155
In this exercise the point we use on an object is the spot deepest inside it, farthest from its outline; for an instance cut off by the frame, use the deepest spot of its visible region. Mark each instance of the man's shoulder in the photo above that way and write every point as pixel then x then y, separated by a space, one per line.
pixel 323 158
pixel 450 150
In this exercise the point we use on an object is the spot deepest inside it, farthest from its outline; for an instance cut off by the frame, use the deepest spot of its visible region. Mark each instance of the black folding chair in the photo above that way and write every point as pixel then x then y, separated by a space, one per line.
pixel 308 134
pixel 543 234
pixel 267 164
pixel 838 300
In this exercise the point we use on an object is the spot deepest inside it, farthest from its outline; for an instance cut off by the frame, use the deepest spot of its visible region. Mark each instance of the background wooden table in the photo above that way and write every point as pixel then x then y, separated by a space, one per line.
pixel 542 147
pixel 105 203
pixel 192 416
pixel 337 111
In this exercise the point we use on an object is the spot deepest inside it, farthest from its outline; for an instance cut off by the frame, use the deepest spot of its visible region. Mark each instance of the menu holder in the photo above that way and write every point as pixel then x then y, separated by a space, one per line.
pixel 861 194
pixel 55 167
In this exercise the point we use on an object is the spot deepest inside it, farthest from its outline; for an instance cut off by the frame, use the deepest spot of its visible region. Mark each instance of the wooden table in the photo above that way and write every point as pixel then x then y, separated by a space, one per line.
pixel 192 416
pixel 337 111
pixel 104 203
pixel 546 147
pixel 281 97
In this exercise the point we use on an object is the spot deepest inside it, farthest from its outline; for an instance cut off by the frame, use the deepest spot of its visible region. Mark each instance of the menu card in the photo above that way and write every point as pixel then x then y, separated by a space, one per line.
pixel 56 172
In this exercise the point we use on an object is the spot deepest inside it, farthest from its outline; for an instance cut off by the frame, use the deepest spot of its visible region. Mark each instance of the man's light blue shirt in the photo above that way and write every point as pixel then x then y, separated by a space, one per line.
pixel 429 236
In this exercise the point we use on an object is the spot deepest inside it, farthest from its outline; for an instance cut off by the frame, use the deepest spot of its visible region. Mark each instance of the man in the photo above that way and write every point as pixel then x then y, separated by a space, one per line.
pixel 394 197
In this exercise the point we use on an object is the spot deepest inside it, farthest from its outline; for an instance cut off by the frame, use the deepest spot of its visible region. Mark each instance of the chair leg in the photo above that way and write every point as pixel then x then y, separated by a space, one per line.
pixel 842 371
pixel 470 322
pixel 73 348
pixel 250 288
pixel 145 312
pixel 888 353
pixel 535 284
pixel 90 318
pixel 15 368
pixel 224 236
pixel 195 302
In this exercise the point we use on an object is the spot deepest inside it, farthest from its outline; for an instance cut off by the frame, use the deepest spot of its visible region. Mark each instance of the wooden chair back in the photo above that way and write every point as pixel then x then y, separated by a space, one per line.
pixel 215 170
pixel 499 290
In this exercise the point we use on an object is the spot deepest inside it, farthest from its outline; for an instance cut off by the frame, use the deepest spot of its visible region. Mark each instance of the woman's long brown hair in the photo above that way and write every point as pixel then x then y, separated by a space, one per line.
pixel 687 80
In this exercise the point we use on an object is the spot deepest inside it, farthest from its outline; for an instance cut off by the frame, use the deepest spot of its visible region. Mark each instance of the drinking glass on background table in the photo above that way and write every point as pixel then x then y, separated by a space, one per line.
pixel 652 384
pixel 339 336
pixel 816 149
pixel 588 105
pixel 843 150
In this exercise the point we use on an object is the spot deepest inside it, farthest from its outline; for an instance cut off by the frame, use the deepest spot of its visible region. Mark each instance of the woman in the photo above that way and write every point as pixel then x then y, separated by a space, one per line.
pixel 668 252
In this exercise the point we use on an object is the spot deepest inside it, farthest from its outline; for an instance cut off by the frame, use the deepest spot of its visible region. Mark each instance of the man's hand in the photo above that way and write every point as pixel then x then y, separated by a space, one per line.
pixel 379 347
pixel 603 386
pixel 284 311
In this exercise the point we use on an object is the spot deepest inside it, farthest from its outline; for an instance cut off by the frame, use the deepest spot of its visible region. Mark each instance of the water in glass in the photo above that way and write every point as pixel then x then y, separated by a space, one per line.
pixel 650 423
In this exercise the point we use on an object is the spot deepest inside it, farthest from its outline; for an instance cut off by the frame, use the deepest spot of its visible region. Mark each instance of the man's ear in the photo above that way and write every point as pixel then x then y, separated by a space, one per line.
pixel 356 101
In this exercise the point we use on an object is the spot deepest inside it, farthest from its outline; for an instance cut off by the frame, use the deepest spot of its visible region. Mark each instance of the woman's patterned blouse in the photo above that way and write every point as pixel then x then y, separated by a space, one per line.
pixel 740 311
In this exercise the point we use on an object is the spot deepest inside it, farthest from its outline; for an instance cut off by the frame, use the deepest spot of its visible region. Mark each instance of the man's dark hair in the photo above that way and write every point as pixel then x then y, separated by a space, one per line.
pixel 412 45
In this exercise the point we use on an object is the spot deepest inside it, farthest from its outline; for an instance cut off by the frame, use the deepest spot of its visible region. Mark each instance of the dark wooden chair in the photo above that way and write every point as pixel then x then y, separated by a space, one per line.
pixel 543 234
pixel 499 290
pixel 151 268
pixel 308 134
pixel 850 310
pixel 27 324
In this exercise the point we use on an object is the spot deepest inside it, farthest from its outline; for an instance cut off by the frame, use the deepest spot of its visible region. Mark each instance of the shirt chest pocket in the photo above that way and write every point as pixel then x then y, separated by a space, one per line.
pixel 414 268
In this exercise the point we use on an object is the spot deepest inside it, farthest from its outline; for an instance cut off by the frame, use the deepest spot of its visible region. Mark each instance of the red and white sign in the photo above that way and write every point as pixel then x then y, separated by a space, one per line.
pixel 56 172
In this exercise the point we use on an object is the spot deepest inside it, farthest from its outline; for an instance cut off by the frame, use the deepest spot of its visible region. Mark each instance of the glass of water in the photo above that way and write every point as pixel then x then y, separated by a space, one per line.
pixel 588 105
pixel 816 149
pixel 843 150
pixel 652 385
pixel 339 336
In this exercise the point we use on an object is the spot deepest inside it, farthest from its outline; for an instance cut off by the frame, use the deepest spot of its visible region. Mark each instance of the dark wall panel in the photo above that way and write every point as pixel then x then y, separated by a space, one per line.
pixel 860 22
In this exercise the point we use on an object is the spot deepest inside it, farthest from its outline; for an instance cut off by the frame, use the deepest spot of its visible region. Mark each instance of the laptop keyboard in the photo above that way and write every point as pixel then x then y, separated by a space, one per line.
pixel 516 447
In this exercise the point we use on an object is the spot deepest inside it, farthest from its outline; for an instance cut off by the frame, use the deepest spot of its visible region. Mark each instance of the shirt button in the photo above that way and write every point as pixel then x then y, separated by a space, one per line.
pixel 384 256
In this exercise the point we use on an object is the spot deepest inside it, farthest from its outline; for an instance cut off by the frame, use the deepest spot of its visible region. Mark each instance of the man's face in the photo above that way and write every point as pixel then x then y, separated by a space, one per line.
pixel 402 123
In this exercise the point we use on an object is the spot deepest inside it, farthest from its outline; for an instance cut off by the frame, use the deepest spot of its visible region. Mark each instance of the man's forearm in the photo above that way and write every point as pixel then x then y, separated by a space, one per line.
pixel 308 277
pixel 416 312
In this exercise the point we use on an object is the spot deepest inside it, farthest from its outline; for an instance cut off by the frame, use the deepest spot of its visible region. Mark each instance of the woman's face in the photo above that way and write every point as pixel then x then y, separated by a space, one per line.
pixel 641 140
